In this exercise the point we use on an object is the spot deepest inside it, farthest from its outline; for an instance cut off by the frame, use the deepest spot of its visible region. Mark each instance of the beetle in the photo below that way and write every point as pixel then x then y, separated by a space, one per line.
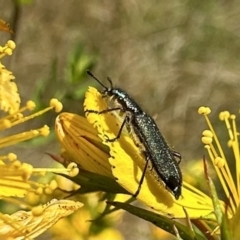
pixel 146 136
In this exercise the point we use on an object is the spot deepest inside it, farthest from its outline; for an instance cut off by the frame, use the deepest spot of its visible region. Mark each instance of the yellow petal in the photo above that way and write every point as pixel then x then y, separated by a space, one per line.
pixel 23 225
pixel 127 164
pixel 80 140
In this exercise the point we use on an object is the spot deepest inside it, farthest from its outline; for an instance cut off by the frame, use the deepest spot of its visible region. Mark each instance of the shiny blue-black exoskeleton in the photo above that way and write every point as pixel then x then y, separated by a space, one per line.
pixel 147 136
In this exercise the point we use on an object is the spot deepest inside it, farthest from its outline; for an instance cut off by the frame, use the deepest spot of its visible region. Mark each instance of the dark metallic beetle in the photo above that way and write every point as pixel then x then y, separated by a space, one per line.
pixel 147 136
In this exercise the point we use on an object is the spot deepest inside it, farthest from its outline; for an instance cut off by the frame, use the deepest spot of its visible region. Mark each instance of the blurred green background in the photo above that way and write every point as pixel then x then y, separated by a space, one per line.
pixel 171 56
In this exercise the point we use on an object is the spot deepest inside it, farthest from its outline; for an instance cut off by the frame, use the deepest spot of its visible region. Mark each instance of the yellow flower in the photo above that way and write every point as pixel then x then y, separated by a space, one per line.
pixel 15 178
pixel 123 161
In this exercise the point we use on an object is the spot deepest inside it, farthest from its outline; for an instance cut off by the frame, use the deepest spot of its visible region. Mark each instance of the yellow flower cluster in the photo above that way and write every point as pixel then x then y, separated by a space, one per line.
pixel 15 179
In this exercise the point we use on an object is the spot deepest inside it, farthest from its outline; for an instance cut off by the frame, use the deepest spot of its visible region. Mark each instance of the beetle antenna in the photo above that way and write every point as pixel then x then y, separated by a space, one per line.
pixel 91 75
pixel 110 81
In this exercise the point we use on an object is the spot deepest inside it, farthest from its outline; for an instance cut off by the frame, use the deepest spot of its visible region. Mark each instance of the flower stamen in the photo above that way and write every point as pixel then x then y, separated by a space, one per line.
pixel 217 155
pixel 54 104
pixel 7 49
pixel 14 139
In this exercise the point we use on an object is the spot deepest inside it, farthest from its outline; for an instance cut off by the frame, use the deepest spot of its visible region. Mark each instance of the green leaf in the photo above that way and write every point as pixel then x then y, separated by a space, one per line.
pixel 92 182
pixel 232 227
pixel 225 231
pixel 160 221
pixel 216 203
